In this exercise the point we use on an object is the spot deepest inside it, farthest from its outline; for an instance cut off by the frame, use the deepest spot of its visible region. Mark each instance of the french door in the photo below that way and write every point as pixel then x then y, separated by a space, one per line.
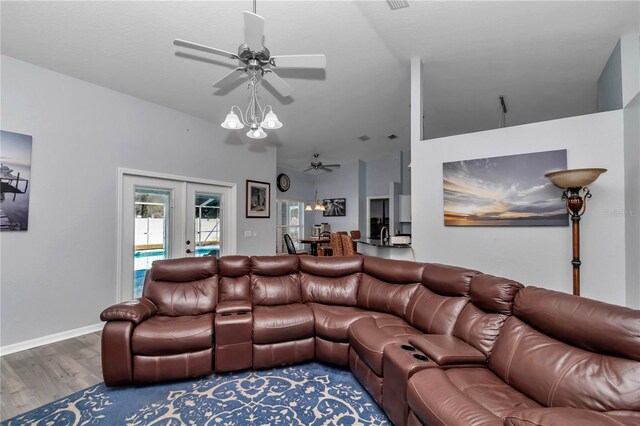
pixel 163 217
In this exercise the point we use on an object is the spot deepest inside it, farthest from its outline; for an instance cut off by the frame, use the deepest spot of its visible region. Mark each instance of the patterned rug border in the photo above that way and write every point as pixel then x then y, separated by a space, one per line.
pixel 307 394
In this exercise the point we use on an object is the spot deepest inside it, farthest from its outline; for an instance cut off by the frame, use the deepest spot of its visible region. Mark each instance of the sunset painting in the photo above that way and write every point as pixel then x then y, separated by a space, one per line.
pixel 504 191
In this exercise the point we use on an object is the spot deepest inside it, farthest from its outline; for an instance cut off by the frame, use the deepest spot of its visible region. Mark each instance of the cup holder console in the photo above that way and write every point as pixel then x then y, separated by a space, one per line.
pixel 408 348
pixel 421 357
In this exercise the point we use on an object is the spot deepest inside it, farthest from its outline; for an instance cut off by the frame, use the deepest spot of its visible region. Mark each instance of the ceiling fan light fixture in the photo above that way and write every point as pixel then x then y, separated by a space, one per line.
pixel 271 121
pixel 258 133
pixel 232 122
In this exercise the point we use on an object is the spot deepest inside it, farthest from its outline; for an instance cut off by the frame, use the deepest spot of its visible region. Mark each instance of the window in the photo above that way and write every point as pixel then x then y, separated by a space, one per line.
pixel 289 220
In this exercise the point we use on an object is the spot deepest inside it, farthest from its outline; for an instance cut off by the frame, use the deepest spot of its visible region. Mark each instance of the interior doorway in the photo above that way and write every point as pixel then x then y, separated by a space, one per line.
pixel 377 216
pixel 164 217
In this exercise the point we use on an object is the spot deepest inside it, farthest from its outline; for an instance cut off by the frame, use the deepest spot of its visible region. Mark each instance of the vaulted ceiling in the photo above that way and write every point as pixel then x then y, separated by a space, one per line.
pixel 544 57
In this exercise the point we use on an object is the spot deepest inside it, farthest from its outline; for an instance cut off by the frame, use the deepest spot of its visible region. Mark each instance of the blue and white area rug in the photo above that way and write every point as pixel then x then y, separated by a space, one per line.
pixel 309 394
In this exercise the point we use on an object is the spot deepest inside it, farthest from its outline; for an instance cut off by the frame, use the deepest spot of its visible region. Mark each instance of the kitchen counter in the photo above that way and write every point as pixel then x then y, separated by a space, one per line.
pixel 379 243
pixel 375 247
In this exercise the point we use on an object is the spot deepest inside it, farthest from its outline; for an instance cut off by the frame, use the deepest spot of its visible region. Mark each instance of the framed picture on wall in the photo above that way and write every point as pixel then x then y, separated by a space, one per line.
pixel 334 207
pixel 15 173
pixel 258 199
pixel 504 191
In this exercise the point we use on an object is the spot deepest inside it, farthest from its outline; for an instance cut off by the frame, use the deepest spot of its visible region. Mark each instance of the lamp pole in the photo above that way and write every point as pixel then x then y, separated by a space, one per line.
pixel 576 206
pixel 575 193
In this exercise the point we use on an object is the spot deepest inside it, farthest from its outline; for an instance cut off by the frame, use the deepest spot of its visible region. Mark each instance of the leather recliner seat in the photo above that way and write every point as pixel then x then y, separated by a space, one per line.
pixel 499 352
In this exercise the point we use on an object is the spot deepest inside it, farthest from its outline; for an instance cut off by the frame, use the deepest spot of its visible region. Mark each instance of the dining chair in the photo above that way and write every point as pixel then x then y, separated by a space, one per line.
pixel 355 235
pixel 336 244
pixel 324 249
pixel 347 246
pixel 291 248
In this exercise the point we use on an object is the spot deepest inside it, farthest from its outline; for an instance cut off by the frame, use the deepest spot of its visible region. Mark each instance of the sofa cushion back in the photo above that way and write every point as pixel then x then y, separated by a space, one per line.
pixel 480 322
pixel 447 280
pixel 186 286
pixel 436 304
pixel 235 282
pixel 567 351
pixel 387 285
pixel 275 280
pixel 330 280
pixel 586 323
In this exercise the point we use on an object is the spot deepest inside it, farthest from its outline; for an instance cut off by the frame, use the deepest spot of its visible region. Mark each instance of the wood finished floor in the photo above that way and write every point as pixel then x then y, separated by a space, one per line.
pixel 44 374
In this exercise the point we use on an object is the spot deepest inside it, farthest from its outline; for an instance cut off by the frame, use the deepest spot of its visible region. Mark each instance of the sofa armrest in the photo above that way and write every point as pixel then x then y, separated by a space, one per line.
pixel 562 416
pixel 135 311
pixel 447 350
pixel 233 306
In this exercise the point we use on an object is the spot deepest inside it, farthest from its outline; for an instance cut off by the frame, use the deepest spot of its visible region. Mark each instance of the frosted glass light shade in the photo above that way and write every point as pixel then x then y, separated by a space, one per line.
pixel 271 121
pixel 574 178
pixel 232 122
pixel 257 133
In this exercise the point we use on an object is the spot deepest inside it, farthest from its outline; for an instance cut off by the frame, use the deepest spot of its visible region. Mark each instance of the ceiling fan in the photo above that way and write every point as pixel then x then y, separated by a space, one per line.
pixel 255 59
pixel 317 165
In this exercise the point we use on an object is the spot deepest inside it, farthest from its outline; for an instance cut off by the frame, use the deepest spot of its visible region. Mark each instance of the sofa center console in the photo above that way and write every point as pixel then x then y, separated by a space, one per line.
pixel 233 336
pixel 400 362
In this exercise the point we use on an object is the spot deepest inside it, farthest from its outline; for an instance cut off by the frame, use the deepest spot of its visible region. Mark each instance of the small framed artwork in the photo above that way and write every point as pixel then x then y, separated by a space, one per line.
pixel 258 199
pixel 334 207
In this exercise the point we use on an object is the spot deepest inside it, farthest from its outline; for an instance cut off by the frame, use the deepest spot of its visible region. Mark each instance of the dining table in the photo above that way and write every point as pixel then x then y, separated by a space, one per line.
pixel 313 243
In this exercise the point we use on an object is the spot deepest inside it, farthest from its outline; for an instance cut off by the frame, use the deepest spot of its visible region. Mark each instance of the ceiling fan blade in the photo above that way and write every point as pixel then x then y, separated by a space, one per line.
pixel 325 169
pixel 309 168
pixel 203 48
pixel 332 165
pixel 254 31
pixel 228 78
pixel 277 83
pixel 299 61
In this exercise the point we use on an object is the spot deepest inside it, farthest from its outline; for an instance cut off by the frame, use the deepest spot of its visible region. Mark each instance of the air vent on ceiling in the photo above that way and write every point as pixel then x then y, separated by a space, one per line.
pixel 364 138
pixel 392 137
pixel 397 4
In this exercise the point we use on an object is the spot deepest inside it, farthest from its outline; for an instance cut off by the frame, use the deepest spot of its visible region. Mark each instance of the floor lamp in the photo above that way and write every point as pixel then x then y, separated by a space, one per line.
pixel 574 184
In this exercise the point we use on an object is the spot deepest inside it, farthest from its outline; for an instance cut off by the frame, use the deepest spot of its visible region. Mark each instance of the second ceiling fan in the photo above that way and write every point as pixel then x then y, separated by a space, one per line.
pixel 317 165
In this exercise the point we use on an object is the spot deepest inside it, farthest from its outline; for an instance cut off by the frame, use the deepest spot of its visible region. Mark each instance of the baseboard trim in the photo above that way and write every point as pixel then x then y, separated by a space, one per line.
pixel 51 338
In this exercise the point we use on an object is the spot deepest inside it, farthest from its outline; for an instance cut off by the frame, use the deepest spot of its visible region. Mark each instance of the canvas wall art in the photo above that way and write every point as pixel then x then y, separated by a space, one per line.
pixel 334 207
pixel 504 191
pixel 15 173
pixel 258 199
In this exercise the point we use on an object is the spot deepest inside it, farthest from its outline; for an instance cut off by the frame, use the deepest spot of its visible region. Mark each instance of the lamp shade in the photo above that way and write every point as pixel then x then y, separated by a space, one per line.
pixel 232 122
pixel 574 178
pixel 271 121
pixel 308 207
pixel 257 133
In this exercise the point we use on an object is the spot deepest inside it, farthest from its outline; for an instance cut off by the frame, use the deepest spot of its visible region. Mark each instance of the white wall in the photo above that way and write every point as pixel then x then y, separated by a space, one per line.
pixel 55 276
pixel 630 66
pixel 532 255
pixel 631 210
pixel 343 182
pixel 610 83
pixel 381 171
pixel 302 189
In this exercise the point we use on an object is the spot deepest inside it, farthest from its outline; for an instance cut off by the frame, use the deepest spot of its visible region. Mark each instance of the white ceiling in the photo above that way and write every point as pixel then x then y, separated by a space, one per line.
pixel 544 57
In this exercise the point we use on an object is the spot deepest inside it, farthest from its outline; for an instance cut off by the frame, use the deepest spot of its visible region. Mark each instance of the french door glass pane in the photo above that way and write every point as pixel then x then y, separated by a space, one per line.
pixel 151 241
pixel 208 224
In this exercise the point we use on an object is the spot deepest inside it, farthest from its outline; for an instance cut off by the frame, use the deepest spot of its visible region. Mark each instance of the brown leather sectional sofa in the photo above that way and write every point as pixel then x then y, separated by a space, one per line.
pixel 433 344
